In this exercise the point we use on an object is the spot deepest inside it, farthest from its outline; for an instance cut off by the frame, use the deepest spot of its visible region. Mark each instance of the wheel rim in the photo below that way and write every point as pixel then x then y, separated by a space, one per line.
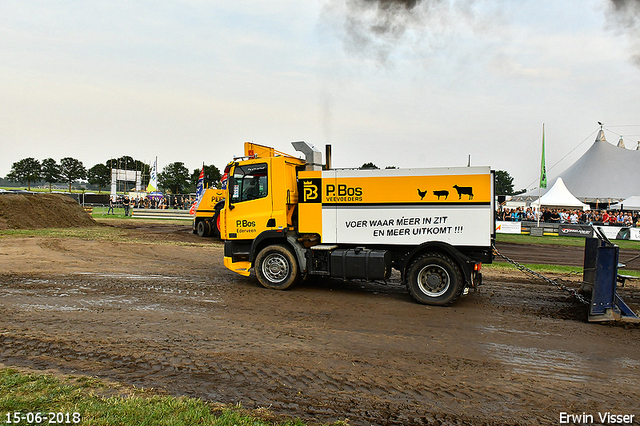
pixel 434 280
pixel 275 268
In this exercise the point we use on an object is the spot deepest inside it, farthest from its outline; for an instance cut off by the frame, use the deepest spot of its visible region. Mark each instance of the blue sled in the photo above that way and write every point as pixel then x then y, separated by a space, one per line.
pixel 601 278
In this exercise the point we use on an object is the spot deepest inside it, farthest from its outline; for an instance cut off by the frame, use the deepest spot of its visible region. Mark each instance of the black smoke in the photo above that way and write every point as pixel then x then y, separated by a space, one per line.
pixel 376 28
pixel 624 18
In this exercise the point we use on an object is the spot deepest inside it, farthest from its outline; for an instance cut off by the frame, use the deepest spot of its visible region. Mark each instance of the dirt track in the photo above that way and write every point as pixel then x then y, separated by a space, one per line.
pixel 170 316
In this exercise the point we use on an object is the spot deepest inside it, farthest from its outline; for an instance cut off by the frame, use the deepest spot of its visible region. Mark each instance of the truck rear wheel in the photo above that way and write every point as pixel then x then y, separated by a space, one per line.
pixel 203 228
pixel 434 279
pixel 276 267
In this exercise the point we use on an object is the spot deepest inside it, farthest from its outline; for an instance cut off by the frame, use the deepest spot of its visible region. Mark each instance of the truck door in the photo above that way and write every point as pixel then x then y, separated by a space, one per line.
pixel 250 202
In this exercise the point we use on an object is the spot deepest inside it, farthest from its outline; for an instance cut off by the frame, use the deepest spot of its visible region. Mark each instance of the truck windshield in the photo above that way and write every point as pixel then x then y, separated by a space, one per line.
pixel 249 182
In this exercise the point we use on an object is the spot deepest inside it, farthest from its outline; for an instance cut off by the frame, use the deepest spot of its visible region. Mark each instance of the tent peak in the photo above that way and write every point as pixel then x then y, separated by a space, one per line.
pixel 600 137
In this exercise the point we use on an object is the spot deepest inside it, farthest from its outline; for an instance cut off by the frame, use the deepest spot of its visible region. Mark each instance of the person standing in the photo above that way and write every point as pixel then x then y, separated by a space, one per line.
pixel 126 204
pixel 110 211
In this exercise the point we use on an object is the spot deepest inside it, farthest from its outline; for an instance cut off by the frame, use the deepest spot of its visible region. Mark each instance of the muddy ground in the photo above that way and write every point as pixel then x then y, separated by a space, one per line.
pixel 156 308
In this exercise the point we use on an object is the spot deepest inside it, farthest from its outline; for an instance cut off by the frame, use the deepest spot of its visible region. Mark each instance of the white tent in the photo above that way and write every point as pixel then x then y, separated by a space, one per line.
pixel 559 197
pixel 604 172
pixel 631 203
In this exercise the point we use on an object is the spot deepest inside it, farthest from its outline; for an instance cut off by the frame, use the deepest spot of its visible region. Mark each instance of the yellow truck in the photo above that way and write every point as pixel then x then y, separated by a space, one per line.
pixel 206 219
pixel 286 218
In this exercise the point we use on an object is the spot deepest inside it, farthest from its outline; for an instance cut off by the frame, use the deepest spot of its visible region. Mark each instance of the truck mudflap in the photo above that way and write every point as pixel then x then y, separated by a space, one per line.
pixel 242 267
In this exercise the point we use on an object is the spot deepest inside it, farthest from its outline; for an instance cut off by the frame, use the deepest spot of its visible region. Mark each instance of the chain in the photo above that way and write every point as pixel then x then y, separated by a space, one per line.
pixel 561 286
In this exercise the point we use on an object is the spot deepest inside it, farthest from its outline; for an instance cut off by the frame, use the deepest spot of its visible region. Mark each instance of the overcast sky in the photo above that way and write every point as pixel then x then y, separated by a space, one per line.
pixel 409 86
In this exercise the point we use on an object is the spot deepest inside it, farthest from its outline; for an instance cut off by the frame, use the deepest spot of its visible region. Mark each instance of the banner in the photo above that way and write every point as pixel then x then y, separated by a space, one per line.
pixel 455 225
pixel 199 192
pixel 503 227
pixel 615 232
pixel 572 230
pixel 153 178
pixel 543 168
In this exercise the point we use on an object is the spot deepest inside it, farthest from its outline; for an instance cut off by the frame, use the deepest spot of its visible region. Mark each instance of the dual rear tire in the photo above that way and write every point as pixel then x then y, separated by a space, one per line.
pixel 434 279
pixel 209 228
pixel 203 228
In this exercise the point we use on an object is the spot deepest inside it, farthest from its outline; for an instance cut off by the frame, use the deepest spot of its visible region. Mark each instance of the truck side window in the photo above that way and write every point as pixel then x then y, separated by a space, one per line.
pixel 249 183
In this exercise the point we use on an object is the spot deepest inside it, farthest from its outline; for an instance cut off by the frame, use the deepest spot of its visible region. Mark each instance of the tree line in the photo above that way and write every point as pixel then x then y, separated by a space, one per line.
pixel 174 177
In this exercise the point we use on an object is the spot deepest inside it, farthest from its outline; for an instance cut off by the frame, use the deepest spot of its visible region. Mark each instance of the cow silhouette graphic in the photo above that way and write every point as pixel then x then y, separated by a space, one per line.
pixel 443 193
pixel 464 190
pixel 421 194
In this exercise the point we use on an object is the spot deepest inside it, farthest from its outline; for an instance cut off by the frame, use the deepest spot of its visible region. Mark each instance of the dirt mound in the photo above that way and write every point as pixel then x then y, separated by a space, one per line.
pixel 36 211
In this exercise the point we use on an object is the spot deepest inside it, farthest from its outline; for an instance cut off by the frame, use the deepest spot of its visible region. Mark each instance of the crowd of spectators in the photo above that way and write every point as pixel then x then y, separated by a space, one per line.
pixel 182 202
pixel 589 217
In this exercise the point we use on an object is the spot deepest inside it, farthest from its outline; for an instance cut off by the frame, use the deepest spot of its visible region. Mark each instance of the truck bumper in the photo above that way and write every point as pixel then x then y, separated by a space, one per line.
pixel 241 267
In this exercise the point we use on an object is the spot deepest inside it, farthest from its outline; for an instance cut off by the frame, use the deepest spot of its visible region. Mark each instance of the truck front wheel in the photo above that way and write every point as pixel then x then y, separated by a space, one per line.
pixel 276 267
pixel 434 279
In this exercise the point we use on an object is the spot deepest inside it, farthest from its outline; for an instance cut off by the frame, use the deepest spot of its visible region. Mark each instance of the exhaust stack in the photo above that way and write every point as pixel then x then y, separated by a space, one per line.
pixel 312 155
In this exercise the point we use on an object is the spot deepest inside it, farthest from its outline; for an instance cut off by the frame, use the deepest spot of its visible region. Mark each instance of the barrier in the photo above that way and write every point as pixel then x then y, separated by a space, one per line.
pixel 161 214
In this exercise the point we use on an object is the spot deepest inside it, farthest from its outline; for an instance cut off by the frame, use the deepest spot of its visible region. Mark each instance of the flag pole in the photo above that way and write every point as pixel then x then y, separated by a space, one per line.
pixel 543 178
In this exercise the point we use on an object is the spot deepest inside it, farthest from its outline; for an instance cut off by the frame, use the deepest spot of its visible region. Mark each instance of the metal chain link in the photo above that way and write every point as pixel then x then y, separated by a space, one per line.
pixel 561 286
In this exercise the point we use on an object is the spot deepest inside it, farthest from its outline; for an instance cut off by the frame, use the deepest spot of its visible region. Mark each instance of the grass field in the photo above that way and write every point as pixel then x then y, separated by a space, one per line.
pixel 27 398
pixel 565 241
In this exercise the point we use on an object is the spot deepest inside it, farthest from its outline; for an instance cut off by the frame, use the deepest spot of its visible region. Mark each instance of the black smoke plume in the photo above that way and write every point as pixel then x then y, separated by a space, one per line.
pixel 624 18
pixel 373 28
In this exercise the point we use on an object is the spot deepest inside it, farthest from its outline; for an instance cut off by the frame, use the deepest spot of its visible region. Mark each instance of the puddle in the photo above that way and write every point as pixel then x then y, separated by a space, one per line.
pixel 138 277
pixel 89 291
pixel 493 329
pixel 552 364
pixel 47 307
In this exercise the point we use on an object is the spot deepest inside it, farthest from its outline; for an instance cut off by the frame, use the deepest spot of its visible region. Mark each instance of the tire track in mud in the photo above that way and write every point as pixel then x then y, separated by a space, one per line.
pixel 398 386
pixel 362 396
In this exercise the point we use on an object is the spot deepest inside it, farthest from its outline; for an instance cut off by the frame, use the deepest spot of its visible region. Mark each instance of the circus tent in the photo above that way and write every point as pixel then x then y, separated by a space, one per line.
pixel 605 173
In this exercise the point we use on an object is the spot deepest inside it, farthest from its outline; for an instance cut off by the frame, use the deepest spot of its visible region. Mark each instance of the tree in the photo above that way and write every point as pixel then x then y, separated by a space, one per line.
pixel 72 170
pixel 99 175
pixel 504 183
pixel 175 177
pixel 369 166
pixel 212 176
pixel 26 171
pixel 50 171
pixel 123 163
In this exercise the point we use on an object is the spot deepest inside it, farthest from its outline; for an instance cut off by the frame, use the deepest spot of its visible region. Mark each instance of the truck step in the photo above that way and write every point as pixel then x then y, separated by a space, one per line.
pixel 325 247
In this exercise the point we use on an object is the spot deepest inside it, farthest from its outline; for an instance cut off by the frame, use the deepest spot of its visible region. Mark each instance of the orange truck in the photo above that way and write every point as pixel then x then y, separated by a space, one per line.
pixel 206 222
pixel 287 218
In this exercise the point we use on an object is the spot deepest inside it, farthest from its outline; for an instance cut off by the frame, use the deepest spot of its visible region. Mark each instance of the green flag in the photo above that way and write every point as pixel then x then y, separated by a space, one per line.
pixel 543 167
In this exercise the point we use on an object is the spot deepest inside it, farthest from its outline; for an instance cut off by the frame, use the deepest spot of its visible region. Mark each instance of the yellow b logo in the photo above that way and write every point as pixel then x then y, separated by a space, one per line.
pixel 310 191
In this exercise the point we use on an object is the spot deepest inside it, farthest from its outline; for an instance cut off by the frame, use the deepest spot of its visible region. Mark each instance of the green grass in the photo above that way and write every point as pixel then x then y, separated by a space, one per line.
pixel 101 403
pixel 544 269
pixel 85 233
pixel 563 241
pixel 549 269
